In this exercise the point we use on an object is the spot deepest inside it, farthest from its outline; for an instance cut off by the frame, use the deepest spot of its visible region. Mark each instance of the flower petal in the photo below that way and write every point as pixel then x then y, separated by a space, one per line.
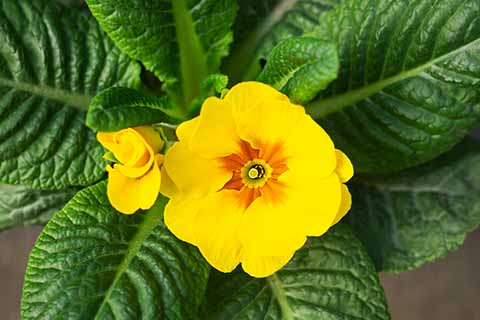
pixel 215 135
pixel 168 187
pixel 193 174
pixel 151 136
pixel 311 151
pixel 345 205
pixel 180 215
pixel 271 229
pixel 344 166
pixel 246 95
pixel 215 230
pixel 262 266
pixel 187 129
pixel 267 123
pixel 127 195
pixel 313 202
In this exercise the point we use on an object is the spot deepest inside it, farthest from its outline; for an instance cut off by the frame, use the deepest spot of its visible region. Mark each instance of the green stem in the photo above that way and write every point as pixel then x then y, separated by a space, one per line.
pixel 240 65
pixel 279 293
pixel 193 61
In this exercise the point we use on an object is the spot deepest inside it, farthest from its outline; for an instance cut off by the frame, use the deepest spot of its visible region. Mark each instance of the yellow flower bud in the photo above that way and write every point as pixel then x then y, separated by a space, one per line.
pixel 134 182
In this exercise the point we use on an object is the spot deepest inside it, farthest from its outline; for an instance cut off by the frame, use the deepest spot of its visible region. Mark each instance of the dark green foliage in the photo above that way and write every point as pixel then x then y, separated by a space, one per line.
pixel 419 215
pixel 93 262
pixel 52 62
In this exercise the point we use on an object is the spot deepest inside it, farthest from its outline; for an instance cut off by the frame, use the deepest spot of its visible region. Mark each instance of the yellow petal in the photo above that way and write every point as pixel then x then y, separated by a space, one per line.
pixel 180 215
pixel 246 95
pixel 151 136
pixel 127 195
pixel 193 174
pixel 168 187
pixel 187 129
pixel 268 123
pixel 131 148
pixel 261 266
pixel 107 140
pixel 311 151
pixel 344 166
pixel 345 205
pixel 215 135
pixel 313 202
pixel 271 229
pixel 215 230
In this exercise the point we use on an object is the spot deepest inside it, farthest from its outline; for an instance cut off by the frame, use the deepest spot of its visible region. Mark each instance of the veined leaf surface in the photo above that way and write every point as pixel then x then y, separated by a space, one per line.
pixel 20 206
pixel 407 89
pixel 93 262
pixel 421 214
pixel 52 61
pixel 181 41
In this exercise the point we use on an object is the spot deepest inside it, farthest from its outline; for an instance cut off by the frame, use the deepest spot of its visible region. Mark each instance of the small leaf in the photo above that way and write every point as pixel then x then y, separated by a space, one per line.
pixel 180 41
pixel 331 278
pixel 52 61
pixel 20 206
pixel 419 215
pixel 301 67
pixel 93 262
pixel 118 108
pixel 407 89
pixel 213 84
pixel 260 25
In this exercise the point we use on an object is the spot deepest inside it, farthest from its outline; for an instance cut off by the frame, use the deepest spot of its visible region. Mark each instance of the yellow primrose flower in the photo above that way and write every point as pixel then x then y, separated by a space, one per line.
pixel 134 182
pixel 251 178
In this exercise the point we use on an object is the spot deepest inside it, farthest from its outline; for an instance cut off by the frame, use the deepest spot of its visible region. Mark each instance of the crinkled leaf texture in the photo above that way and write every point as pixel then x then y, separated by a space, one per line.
pixel 118 108
pixel 331 278
pixel 260 25
pixel 419 215
pixel 180 41
pixel 407 89
pixel 52 61
pixel 301 67
pixel 20 206
pixel 93 262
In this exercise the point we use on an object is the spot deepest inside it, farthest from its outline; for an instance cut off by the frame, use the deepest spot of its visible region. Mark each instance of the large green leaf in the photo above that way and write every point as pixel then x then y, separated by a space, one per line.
pixel 20 206
pixel 262 24
pixel 52 61
pixel 421 214
pixel 93 262
pixel 180 41
pixel 407 89
pixel 331 278
pixel 301 67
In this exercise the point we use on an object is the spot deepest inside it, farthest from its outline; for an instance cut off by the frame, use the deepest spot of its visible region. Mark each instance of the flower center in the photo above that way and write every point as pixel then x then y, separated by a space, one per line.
pixel 256 173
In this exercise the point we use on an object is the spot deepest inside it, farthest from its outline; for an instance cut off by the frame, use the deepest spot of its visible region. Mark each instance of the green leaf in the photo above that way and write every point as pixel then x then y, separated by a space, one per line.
pixel 262 24
pixel 301 68
pixel 52 61
pixel 330 278
pixel 419 215
pixel 20 206
pixel 118 108
pixel 93 262
pixel 407 89
pixel 180 41
pixel 213 84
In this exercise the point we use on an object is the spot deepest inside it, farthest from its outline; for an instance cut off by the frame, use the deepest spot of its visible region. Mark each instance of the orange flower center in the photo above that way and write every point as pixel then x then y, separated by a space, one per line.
pixel 255 172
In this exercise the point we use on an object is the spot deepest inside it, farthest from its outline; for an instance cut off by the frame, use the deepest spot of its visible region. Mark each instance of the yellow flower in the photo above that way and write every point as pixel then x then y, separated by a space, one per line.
pixel 251 178
pixel 134 182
